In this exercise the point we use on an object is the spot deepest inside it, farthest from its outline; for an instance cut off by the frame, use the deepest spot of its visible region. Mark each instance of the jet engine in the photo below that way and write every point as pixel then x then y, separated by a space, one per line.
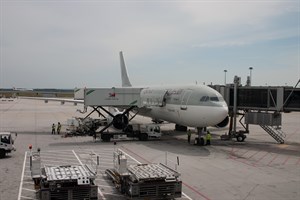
pixel 223 123
pixel 119 121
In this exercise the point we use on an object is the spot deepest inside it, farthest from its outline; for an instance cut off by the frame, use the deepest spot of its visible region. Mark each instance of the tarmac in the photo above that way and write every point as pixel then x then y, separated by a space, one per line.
pixel 258 168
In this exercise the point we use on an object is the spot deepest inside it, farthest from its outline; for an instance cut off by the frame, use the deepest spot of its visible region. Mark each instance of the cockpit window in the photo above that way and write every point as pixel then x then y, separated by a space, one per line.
pixel 221 99
pixel 213 99
pixel 204 98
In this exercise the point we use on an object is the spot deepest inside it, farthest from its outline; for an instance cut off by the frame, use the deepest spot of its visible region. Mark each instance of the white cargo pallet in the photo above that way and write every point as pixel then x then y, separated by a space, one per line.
pixel 65 173
pixel 112 97
pixel 147 172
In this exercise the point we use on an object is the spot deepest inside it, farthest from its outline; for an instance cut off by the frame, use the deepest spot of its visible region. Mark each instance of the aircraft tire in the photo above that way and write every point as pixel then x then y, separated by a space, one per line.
pixel 180 128
pixel 105 138
pixel 2 153
pixel 144 137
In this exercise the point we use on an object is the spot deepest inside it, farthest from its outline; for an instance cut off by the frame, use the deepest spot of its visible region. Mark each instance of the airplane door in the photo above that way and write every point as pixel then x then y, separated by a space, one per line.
pixel 185 98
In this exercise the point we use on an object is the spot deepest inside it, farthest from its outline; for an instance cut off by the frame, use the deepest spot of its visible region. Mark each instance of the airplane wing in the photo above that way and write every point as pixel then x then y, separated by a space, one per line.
pixel 75 101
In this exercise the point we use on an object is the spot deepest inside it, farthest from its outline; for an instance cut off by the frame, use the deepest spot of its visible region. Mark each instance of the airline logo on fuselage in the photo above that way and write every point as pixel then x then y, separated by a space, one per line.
pixel 112 96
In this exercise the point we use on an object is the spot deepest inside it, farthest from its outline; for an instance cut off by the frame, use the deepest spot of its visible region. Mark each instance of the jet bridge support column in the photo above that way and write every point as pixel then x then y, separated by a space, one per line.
pixel 240 135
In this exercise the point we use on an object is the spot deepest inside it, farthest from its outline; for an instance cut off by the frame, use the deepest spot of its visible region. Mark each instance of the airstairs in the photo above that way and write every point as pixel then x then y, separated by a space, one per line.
pixel 275 132
pixel 270 122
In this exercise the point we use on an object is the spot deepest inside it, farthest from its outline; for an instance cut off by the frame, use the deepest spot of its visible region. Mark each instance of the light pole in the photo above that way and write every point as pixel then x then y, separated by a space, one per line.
pixel 225 70
pixel 250 68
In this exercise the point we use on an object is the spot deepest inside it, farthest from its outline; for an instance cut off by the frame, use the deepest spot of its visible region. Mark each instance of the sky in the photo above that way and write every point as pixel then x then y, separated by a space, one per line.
pixel 76 43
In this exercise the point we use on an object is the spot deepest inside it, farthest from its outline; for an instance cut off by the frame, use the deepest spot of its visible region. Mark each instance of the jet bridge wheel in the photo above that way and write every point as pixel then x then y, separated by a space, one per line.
pixel 240 137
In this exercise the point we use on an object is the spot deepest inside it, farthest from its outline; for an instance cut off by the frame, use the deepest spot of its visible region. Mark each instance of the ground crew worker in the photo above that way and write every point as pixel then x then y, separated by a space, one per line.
pixel 53 129
pixel 208 138
pixel 189 135
pixel 58 128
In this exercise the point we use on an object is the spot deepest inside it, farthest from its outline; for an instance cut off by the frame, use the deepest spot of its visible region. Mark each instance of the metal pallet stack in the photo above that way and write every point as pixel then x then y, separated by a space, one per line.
pixel 144 181
pixel 155 181
pixel 63 182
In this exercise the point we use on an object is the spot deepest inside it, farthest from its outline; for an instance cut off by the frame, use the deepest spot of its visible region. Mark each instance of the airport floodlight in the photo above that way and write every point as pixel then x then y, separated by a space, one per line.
pixel 225 70
pixel 250 68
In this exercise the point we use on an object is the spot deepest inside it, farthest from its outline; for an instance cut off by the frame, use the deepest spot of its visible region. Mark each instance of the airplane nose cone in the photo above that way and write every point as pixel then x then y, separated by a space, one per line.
pixel 225 118
pixel 225 111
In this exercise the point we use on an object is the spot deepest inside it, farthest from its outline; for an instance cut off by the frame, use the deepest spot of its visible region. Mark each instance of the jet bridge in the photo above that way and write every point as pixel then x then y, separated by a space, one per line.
pixel 260 106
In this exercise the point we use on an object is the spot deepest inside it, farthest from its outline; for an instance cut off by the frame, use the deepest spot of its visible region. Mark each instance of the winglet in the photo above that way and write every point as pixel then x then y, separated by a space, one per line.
pixel 124 75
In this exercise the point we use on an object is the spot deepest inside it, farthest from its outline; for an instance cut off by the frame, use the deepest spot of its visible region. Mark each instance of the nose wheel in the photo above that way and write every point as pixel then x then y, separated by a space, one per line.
pixel 240 137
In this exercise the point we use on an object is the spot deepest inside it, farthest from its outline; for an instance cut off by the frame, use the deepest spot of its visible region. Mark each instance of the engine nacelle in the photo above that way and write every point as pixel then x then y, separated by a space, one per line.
pixel 119 121
pixel 223 123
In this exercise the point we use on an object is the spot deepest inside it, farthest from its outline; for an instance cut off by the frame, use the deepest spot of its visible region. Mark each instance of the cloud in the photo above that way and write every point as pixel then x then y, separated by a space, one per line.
pixel 82 39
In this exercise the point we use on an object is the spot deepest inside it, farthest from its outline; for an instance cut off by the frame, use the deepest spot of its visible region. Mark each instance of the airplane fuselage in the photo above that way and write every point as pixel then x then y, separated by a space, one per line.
pixel 194 106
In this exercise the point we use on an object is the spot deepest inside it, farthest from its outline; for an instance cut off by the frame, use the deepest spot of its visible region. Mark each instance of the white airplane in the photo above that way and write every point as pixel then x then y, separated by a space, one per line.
pixel 196 106
pixel 190 105
pixel 22 89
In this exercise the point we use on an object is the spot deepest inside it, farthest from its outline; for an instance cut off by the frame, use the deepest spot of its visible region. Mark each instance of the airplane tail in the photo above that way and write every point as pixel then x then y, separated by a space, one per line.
pixel 124 75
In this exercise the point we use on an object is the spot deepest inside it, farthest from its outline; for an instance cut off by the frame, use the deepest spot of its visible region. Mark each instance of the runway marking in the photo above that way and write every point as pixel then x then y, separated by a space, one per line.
pixel 23 197
pixel 253 154
pixel 242 154
pixel 26 182
pixel 77 157
pixel 149 162
pixel 298 162
pixel 244 162
pixel 56 161
pixel 257 161
pixel 239 158
pixel 22 176
pixel 69 152
pixel 288 136
pixel 31 190
pixel 194 190
pixel 269 164
pixel 285 161
pixel 99 191
pixel 58 158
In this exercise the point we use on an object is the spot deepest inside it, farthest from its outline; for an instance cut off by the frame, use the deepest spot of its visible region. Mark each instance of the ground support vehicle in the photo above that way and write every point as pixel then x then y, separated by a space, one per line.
pixel 140 131
pixel 6 144
pixel 83 126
